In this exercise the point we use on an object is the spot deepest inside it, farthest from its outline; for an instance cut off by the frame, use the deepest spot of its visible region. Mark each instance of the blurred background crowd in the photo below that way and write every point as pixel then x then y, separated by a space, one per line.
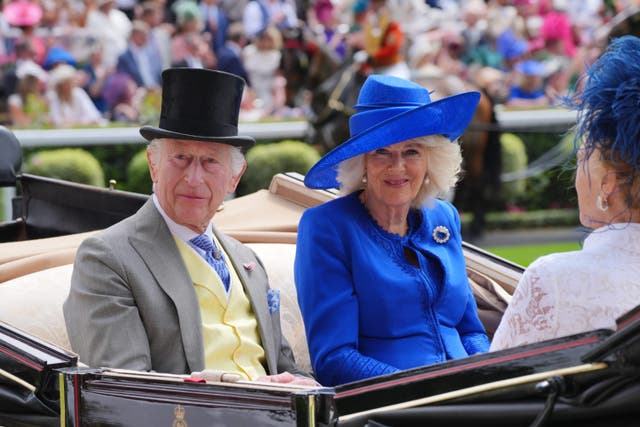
pixel 70 63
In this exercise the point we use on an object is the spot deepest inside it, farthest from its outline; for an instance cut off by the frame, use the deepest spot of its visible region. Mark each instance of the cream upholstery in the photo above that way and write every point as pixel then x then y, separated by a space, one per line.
pixel 278 261
pixel 33 302
pixel 29 264
pixel 35 274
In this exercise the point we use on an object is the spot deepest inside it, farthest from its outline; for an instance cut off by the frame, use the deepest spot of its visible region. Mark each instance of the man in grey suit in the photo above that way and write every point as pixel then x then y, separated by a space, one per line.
pixel 147 293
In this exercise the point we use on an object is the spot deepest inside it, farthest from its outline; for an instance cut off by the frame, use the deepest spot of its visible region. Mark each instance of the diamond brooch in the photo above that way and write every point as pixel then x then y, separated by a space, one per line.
pixel 441 234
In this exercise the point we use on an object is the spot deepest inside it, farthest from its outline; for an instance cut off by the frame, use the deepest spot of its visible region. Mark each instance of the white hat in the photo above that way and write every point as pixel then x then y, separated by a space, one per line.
pixel 30 68
pixel 61 73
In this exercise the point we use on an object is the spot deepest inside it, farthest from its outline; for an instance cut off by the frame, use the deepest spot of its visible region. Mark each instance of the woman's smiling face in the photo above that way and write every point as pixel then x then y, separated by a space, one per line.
pixel 395 174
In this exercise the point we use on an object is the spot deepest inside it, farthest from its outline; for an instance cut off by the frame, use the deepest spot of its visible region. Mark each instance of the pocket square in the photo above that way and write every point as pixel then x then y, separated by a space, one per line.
pixel 273 298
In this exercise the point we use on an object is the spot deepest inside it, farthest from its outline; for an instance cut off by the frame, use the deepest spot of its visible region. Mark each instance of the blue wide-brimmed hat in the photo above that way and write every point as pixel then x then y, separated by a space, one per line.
pixel 392 110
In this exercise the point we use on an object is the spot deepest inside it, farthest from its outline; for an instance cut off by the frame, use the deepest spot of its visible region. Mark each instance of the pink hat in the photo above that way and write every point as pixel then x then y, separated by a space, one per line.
pixel 557 27
pixel 323 10
pixel 22 13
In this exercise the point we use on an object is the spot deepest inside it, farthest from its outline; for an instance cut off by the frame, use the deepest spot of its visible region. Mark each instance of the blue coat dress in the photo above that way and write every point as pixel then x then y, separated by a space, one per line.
pixel 367 310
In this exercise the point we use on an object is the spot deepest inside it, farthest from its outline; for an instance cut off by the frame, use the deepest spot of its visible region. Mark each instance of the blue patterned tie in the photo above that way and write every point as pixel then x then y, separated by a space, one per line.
pixel 214 257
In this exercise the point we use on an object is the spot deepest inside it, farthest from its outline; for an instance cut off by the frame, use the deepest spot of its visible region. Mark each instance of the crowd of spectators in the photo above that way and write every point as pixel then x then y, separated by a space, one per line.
pixel 80 62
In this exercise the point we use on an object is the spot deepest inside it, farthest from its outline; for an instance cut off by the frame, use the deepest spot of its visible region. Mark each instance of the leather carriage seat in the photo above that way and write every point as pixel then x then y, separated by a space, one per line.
pixel 35 275
pixel 33 302
pixel 28 256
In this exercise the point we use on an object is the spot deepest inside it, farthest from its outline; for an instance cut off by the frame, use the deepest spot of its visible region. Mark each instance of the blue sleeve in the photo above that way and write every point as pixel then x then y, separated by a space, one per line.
pixel 470 328
pixel 472 333
pixel 328 302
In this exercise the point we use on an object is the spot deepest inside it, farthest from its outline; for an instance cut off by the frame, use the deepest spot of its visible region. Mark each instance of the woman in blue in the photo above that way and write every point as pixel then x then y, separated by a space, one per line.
pixel 380 272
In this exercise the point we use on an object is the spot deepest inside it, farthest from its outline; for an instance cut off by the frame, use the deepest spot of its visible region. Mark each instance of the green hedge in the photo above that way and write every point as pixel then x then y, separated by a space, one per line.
pixel 530 219
pixel 115 160
pixel 71 164
pixel 266 160
pixel 554 188
pixel 514 158
pixel 138 176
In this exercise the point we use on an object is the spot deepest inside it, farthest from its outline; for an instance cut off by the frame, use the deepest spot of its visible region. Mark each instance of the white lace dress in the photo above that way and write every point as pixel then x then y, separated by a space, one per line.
pixel 568 293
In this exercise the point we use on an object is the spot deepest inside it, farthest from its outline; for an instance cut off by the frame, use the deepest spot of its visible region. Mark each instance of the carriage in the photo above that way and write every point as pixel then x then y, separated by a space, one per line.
pixel 589 379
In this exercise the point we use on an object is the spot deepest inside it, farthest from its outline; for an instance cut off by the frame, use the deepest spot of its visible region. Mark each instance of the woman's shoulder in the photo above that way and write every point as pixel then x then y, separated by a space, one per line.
pixel 344 205
pixel 556 260
pixel 441 208
pixel 440 204
pixel 561 268
pixel 340 202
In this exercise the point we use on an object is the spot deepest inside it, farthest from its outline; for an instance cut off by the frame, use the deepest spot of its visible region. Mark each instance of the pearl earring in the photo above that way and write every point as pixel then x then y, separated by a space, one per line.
pixel 364 179
pixel 601 203
pixel 427 180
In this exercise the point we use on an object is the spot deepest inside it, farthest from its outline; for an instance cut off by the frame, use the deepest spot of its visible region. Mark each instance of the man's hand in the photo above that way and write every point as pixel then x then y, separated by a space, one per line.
pixel 216 376
pixel 288 378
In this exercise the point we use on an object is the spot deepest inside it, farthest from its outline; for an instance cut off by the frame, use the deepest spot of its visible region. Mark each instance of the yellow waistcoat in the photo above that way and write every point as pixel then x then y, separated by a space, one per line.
pixel 229 327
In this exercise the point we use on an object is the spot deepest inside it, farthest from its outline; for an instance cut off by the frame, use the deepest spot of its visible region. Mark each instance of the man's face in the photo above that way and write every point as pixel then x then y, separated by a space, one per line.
pixel 140 38
pixel 192 179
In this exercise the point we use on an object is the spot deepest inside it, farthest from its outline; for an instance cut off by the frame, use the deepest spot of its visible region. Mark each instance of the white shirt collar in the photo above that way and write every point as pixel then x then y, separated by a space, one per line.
pixel 180 231
pixel 183 233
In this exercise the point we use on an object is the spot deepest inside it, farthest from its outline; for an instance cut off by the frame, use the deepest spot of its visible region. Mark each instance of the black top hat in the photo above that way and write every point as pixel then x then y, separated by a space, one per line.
pixel 201 105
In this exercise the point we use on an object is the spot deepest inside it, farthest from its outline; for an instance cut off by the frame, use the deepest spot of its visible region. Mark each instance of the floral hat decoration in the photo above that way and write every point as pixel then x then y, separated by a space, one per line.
pixel 391 110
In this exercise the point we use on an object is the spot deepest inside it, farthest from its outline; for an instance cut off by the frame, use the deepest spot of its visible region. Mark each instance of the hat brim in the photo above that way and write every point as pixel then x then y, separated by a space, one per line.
pixel 153 132
pixel 447 116
pixel 21 14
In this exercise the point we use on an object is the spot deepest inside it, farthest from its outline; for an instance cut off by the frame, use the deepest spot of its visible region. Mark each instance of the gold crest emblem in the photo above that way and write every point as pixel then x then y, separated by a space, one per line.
pixel 179 413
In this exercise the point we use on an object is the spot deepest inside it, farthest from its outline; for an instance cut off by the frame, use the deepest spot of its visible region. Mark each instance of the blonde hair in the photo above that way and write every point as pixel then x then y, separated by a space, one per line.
pixel 275 35
pixel 444 159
